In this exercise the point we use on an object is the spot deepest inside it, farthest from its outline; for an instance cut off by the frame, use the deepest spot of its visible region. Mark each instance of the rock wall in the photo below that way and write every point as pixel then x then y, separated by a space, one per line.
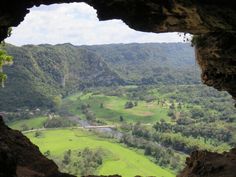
pixel 216 55
pixel 205 164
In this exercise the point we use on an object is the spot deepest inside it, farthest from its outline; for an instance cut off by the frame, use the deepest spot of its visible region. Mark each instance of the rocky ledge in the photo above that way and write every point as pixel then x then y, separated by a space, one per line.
pixel 205 164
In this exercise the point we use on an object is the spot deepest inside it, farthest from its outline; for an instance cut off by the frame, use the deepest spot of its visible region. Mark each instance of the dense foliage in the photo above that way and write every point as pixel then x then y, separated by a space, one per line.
pixel 56 122
pixel 151 63
pixel 5 59
pixel 42 74
pixel 82 162
pixel 167 122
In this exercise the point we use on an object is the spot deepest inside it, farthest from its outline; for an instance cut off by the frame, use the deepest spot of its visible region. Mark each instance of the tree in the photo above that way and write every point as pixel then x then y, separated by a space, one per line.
pixel 172 106
pixel 121 119
pixel 38 134
pixel 90 115
pixel 67 158
pixel 24 127
pixel 179 106
pixel 129 105
pixel 57 101
pixel 101 105
pixel 47 153
pixel 148 150
pixel 5 59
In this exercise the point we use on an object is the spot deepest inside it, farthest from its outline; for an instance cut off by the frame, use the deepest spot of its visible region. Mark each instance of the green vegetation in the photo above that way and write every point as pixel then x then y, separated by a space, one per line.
pixel 115 158
pixel 148 93
pixel 56 122
pixel 28 124
pixel 5 59
pixel 164 122
pixel 114 107
pixel 42 75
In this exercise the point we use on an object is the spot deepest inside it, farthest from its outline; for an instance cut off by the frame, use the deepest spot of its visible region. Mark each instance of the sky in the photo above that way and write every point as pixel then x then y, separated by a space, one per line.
pixel 77 23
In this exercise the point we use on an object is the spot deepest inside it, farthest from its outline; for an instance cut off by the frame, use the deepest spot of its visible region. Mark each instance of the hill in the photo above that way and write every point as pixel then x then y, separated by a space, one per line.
pixel 150 62
pixel 42 74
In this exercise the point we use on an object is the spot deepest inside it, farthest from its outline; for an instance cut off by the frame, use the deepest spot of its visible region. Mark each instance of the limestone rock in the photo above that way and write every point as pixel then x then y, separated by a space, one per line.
pixel 206 164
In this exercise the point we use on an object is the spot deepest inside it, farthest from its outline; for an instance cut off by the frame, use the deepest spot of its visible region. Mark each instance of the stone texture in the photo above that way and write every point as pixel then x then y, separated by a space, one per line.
pixel 216 55
pixel 205 164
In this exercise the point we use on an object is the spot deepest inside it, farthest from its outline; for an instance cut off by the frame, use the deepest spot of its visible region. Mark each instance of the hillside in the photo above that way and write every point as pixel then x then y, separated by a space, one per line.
pixel 150 62
pixel 42 74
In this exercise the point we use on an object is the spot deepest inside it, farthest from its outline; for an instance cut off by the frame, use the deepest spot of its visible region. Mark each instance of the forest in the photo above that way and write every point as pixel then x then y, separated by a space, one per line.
pixel 41 75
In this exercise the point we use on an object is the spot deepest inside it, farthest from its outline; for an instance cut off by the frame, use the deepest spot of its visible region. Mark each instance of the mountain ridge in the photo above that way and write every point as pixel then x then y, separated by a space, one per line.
pixel 42 72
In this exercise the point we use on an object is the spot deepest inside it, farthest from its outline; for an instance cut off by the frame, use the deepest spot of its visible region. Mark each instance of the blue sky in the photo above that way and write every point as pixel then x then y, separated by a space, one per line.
pixel 77 23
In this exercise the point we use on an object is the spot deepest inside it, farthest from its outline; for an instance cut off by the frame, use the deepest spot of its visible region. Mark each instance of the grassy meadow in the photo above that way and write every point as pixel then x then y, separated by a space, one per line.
pixel 113 107
pixel 33 123
pixel 119 159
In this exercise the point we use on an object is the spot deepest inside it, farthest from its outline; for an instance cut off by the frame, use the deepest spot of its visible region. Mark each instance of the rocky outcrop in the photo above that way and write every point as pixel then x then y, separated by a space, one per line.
pixel 205 164
pixel 216 55
pixel 19 157
pixel 214 20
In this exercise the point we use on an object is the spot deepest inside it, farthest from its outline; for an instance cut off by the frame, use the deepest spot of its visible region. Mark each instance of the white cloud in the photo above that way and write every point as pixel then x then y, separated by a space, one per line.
pixel 77 23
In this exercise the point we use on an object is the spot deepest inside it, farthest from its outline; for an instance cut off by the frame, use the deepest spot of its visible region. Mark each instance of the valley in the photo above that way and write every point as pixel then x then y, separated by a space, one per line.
pixel 162 126
pixel 123 109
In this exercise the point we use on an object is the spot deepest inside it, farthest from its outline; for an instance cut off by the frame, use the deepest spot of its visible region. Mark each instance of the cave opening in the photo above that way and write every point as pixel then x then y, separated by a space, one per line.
pixel 187 119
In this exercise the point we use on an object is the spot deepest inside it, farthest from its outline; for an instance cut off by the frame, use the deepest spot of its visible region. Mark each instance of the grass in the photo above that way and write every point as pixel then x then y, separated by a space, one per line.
pixel 30 123
pixel 123 161
pixel 113 108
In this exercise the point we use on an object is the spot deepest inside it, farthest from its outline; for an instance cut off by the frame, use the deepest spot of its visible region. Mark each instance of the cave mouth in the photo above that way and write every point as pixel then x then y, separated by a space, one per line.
pixel 160 125
pixel 61 23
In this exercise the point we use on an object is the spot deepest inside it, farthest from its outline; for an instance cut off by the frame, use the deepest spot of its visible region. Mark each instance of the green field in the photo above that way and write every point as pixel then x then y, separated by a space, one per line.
pixel 121 160
pixel 164 115
pixel 29 123
pixel 113 108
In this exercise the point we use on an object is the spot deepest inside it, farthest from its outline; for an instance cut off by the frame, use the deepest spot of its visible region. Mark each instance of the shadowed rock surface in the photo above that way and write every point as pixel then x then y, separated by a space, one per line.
pixel 203 163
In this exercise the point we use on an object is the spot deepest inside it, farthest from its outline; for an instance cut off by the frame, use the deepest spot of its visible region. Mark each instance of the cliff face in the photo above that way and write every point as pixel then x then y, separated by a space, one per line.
pixel 216 55
pixel 205 164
